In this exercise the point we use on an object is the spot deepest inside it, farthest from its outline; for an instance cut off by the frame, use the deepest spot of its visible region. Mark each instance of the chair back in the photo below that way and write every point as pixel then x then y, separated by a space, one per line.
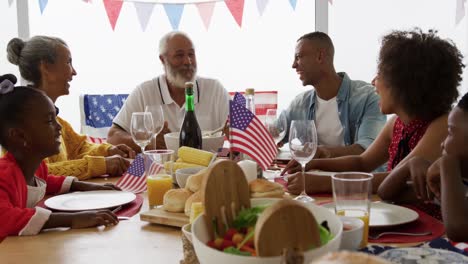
pixel 97 112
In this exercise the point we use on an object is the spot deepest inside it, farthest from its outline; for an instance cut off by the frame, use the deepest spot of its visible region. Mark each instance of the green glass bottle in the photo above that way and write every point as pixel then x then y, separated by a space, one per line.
pixel 190 133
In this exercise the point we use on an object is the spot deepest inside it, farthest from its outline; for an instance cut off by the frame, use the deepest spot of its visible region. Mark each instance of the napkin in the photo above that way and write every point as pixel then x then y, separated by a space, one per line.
pixel 425 222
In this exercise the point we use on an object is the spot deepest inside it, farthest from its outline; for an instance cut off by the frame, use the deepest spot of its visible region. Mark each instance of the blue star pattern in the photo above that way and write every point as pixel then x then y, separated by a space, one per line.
pixel 100 109
pixel 242 117
pixel 239 99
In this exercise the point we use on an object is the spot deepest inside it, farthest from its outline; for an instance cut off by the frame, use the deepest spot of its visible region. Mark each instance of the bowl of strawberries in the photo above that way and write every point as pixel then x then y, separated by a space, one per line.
pixel 237 244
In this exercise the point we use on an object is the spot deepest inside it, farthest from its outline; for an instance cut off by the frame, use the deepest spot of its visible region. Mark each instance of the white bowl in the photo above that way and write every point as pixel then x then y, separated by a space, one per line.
pixel 183 174
pixel 207 254
pixel 352 237
pixel 212 143
pixel 187 230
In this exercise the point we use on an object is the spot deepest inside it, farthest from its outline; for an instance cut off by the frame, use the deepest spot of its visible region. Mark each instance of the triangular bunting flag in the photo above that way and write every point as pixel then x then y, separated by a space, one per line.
pixel 237 9
pixel 174 13
pixel 206 12
pixel 88 1
pixel 10 2
pixel 144 11
pixel 43 4
pixel 293 4
pixel 113 8
pixel 460 11
pixel 261 4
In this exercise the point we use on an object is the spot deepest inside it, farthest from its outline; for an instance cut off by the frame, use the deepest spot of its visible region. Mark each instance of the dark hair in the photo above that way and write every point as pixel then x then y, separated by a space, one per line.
pixel 14 106
pixel 422 71
pixel 322 38
pixel 29 54
pixel 463 103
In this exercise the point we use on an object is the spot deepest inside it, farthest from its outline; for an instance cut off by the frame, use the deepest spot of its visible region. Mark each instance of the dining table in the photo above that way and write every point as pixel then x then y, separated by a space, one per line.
pixel 130 241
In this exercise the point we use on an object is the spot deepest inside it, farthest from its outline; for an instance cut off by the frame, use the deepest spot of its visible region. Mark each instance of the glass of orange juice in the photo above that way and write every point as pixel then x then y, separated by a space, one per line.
pixel 352 196
pixel 158 169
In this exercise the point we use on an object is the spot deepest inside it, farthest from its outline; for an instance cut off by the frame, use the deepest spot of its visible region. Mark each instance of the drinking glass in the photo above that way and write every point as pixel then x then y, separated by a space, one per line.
pixel 159 171
pixel 158 120
pixel 352 195
pixel 276 126
pixel 303 145
pixel 142 129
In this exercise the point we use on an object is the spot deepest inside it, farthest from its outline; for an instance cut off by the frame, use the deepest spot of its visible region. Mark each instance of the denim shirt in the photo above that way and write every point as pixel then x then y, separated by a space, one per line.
pixel 358 110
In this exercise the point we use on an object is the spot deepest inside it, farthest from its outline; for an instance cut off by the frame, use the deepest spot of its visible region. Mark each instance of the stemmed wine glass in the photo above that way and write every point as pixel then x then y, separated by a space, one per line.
pixel 142 129
pixel 276 126
pixel 303 145
pixel 158 119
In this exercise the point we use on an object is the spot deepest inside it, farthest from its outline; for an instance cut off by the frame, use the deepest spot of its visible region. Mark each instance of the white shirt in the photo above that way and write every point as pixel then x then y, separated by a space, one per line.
pixel 329 129
pixel 211 103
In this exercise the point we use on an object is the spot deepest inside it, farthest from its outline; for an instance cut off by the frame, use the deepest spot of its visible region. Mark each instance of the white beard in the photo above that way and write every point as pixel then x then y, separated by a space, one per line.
pixel 177 79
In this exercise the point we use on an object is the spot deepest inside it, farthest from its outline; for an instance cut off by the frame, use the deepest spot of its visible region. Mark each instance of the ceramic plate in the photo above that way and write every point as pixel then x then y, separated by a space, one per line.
pixel 384 214
pixel 93 200
pixel 422 255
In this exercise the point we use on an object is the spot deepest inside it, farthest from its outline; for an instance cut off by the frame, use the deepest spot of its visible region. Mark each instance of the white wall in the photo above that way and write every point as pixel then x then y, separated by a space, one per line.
pixel 357 27
pixel 8 30
pixel 259 54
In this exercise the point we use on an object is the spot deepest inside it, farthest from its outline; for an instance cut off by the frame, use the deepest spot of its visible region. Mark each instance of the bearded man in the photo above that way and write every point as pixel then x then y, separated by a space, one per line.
pixel 177 54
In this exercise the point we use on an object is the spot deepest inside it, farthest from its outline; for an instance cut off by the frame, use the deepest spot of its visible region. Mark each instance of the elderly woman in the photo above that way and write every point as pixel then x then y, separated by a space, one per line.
pixel 417 79
pixel 46 63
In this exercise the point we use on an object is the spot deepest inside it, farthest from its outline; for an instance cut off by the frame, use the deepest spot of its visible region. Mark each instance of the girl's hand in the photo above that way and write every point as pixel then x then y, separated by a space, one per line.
pixel 122 150
pixel 116 165
pixel 93 218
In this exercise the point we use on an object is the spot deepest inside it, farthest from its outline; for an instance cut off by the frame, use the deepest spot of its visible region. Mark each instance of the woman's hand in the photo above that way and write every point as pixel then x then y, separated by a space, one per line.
pixel 418 168
pixel 313 183
pixel 93 218
pixel 122 150
pixel 433 175
pixel 116 165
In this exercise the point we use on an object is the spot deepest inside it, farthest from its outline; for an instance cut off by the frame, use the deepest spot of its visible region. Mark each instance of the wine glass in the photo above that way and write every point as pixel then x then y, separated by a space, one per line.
pixel 158 119
pixel 142 128
pixel 303 145
pixel 276 126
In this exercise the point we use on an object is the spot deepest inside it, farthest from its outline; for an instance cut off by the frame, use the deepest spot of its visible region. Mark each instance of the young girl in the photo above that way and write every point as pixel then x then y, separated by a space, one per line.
pixel 46 63
pixel 447 178
pixel 30 133
pixel 417 78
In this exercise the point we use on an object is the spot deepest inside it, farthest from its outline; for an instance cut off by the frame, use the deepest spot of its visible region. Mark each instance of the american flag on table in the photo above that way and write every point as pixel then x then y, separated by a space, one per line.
pixel 249 136
pixel 264 100
pixel 134 179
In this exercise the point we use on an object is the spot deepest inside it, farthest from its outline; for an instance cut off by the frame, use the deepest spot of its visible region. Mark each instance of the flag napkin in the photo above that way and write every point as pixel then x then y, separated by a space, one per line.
pixel 249 136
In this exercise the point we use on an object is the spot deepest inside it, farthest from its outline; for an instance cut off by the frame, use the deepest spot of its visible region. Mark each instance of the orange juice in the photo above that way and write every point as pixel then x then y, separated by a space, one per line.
pixel 364 216
pixel 158 185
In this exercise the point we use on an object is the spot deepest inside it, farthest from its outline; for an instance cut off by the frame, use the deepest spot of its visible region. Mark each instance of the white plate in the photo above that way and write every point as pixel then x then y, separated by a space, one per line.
pixel 92 200
pixel 422 255
pixel 384 214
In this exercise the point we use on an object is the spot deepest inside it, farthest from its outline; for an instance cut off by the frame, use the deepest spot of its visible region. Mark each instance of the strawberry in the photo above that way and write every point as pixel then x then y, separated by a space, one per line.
pixel 226 244
pixel 230 233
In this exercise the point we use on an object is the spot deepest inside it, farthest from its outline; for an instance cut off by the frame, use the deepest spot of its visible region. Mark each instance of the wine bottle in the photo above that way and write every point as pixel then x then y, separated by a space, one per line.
pixel 190 133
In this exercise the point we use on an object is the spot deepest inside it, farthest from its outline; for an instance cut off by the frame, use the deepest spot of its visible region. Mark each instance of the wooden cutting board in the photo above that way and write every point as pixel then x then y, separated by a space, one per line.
pixel 159 216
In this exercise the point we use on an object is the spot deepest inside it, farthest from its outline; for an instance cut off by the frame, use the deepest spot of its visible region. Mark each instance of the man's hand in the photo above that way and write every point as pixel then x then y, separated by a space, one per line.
pixel 122 150
pixel 160 143
pixel 116 165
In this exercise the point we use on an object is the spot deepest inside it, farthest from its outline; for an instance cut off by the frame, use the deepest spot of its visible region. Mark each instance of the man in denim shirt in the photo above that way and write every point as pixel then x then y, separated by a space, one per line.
pixel 346 112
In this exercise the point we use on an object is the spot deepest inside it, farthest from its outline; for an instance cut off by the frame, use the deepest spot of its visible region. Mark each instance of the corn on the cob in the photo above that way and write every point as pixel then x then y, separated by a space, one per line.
pixel 178 165
pixel 196 210
pixel 195 156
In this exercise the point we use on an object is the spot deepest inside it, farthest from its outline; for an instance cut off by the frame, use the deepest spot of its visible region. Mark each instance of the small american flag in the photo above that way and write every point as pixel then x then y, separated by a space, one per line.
pixel 239 99
pixel 134 180
pixel 249 136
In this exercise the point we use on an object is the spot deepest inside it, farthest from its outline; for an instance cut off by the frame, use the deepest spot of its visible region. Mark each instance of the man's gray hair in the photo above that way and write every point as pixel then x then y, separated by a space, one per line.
pixel 28 55
pixel 165 39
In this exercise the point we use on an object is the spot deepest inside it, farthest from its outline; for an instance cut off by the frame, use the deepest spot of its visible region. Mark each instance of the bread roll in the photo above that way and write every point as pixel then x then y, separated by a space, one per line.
pixel 174 200
pixel 264 188
pixel 194 181
pixel 347 257
pixel 196 197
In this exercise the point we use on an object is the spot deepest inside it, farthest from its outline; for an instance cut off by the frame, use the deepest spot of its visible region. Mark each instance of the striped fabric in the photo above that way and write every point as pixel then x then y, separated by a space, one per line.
pixel 134 180
pixel 264 100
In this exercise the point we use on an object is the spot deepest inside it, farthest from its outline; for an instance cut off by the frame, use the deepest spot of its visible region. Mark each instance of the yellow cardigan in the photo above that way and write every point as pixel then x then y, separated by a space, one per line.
pixel 77 156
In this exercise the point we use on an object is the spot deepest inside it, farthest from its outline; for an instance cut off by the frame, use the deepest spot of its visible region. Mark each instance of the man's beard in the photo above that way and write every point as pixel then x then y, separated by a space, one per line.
pixel 176 78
